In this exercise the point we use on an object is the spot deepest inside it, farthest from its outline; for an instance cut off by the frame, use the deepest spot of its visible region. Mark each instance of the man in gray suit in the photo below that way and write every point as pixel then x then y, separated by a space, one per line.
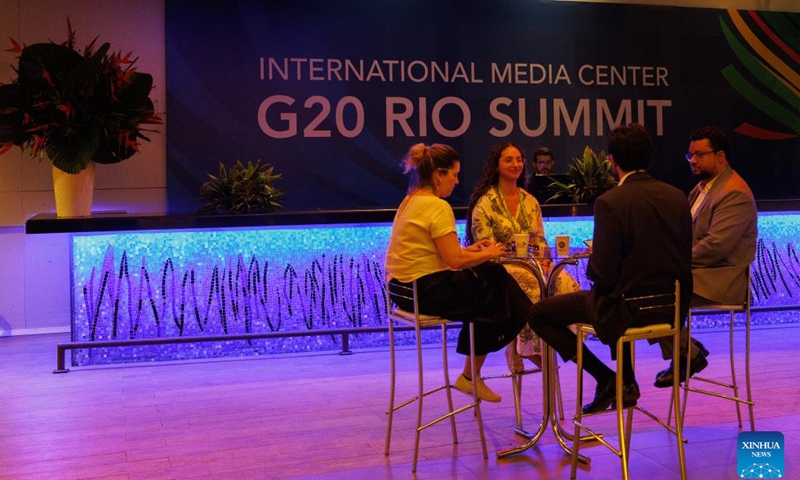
pixel 724 234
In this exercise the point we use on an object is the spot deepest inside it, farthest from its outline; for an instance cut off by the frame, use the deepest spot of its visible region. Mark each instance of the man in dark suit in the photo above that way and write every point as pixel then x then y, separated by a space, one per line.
pixel 641 245
pixel 724 235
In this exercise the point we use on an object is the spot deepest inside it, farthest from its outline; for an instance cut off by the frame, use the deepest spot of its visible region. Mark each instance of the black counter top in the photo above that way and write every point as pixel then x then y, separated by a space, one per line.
pixel 120 221
pixel 111 222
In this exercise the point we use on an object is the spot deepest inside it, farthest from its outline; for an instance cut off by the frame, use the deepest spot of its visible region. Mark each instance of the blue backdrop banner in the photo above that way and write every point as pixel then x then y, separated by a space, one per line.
pixel 334 93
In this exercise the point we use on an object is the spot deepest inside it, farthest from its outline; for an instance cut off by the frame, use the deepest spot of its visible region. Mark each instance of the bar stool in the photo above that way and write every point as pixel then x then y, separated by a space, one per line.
pixel 630 336
pixel 419 322
pixel 733 385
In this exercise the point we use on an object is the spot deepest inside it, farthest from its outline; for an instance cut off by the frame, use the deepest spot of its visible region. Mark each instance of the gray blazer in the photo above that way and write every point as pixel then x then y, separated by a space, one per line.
pixel 724 235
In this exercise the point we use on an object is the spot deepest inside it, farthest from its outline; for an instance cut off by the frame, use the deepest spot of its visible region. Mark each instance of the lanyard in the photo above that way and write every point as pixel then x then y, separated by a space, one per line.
pixel 508 211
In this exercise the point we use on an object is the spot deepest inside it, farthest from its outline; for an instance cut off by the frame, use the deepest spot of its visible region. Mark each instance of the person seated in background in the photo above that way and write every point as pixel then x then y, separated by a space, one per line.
pixel 724 236
pixel 539 182
pixel 642 243
pixel 455 282
pixel 499 208
pixel 543 161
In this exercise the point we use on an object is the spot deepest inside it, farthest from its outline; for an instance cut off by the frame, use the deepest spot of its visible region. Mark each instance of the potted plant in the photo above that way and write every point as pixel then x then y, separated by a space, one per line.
pixel 588 177
pixel 242 189
pixel 77 107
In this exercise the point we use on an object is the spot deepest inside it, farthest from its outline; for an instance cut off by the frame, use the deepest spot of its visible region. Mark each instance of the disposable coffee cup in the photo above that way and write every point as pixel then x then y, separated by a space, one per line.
pixel 521 244
pixel 562 245
pixel 533 247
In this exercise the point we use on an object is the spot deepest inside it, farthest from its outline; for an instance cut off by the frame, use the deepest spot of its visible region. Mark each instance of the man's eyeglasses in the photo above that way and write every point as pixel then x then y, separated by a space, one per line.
pixel 544 162
pixel 689 156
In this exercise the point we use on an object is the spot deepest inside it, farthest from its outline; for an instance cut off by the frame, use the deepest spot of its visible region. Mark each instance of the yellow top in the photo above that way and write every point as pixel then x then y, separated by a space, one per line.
pixel 412 252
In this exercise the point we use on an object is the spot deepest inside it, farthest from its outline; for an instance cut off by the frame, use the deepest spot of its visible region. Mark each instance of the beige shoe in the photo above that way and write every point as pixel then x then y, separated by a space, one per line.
pixel 484 393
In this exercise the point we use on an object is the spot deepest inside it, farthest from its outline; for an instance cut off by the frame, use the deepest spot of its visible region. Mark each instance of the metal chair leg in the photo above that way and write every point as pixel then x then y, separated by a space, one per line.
pixel 393 381
pixel 475 379
pixel 732 356
pixel 750 403
pixel 578 408
pixel 448 390
pixel 420 400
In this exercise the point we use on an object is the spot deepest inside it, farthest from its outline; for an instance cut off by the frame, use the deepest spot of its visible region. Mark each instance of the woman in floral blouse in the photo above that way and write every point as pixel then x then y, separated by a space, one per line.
pixel 499 208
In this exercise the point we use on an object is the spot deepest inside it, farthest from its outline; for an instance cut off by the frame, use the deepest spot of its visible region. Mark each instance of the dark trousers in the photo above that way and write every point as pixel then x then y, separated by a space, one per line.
pixel 551 318
pixel 666 343
pixel 485 295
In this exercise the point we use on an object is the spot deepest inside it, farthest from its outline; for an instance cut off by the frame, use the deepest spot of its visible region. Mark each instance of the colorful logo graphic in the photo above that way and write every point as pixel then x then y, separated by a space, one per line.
pixel 760 455
pixel 767 73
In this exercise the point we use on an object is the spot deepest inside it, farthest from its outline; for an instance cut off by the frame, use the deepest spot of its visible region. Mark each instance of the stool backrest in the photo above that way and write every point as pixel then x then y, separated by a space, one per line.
pixel 398 294
pixel 655 301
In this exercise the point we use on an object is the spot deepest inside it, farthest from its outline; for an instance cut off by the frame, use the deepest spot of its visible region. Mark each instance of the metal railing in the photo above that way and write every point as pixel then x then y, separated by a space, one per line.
pixel 344 332
pixel 62 348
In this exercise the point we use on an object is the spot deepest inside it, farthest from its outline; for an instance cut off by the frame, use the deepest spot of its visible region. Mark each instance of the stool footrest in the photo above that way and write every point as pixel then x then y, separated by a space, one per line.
pixel 416 397
pixel 597 436
pixel 720 395
pixel 512 375
pixel 448 415
pixel 712 381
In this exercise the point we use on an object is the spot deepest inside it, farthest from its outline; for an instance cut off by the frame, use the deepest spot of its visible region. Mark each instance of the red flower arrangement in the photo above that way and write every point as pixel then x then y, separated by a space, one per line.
pixel 77 107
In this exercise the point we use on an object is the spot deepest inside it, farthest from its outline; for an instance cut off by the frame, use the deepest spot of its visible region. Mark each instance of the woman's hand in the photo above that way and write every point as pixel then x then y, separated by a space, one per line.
pixel 494 249
pixel 458 257
pixel 478 246
pixel 491 248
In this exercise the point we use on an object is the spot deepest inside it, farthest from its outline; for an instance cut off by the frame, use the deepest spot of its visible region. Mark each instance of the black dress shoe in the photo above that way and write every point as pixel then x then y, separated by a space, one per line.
pixel 702 347
pixel 603 396
pixel 664 377
pixel 630 394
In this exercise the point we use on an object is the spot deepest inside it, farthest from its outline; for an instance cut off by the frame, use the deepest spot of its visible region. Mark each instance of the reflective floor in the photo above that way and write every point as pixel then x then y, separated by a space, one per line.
pixel 322 416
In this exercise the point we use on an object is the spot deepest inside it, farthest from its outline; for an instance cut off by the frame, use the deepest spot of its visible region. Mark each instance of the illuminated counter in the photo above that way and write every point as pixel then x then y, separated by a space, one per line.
pixel 138 277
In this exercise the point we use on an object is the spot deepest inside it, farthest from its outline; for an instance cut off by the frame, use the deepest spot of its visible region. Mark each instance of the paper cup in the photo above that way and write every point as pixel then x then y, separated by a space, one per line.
pixel 562 245
pixel 521 244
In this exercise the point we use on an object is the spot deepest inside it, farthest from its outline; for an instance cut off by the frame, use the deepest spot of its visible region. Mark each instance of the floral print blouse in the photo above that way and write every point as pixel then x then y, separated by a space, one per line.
pixel 491 220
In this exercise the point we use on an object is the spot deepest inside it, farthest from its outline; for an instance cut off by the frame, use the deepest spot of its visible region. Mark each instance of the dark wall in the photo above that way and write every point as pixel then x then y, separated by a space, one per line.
pixel 738 70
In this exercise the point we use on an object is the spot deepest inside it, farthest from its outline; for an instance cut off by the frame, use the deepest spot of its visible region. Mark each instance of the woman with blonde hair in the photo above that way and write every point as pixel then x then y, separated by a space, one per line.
pixel 456 282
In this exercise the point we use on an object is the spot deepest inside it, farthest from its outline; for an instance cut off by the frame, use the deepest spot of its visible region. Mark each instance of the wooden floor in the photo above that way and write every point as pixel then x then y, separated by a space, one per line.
pixel 322 417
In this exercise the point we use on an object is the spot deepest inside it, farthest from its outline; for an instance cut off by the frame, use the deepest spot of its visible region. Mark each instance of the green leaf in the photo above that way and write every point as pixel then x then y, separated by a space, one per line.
pixel 241 189
pixel 589 177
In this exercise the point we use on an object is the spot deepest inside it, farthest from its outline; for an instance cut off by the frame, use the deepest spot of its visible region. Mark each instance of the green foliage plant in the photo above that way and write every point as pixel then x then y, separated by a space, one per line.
pixel 588 177
pixel 241 189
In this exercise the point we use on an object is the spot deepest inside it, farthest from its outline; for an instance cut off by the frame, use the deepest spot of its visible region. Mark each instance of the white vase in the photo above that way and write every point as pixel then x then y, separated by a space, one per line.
pixel 74 192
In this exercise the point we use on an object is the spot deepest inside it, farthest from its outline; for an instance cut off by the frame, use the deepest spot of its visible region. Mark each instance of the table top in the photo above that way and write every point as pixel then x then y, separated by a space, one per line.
pixel 574 253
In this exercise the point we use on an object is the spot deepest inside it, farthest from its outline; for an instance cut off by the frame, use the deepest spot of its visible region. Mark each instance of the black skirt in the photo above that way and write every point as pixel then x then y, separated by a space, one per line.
pixel 485 295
